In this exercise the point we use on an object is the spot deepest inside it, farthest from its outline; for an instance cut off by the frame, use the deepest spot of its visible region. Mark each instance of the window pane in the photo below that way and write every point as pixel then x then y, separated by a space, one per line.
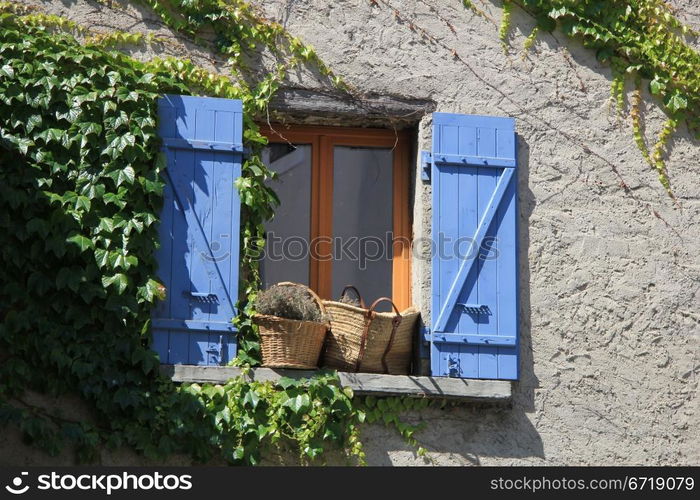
pixel 286 251
pixel 362 221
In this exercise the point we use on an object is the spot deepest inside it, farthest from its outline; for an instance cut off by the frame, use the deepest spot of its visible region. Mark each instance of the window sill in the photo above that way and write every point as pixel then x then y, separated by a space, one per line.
pixel 364 384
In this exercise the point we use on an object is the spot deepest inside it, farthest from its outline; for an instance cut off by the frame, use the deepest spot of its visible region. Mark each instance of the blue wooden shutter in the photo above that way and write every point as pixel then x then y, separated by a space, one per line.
pixel 199 231
pixel 474 331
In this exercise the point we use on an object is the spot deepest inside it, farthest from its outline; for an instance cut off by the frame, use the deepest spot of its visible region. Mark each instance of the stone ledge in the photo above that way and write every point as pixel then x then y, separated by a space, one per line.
pixel 365 384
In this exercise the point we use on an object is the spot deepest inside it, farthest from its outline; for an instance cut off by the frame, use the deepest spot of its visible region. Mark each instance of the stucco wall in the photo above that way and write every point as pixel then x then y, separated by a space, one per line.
pixel 609 264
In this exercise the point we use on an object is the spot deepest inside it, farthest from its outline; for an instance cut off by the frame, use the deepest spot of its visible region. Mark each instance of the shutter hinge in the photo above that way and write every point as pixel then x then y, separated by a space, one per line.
pixel 425 335
pixel 453 366
pixel 426 163
pixel 424 343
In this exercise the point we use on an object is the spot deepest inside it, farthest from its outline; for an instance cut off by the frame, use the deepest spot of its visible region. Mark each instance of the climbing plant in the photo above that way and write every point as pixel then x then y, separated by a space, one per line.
pixel 505 23
pixel 639 38
pixel 241 33
pixel 79 197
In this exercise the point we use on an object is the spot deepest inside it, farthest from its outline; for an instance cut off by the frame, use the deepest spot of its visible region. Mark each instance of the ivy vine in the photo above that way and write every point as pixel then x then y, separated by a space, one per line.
pixel 241 31
pixel 638 38
pixel 80 192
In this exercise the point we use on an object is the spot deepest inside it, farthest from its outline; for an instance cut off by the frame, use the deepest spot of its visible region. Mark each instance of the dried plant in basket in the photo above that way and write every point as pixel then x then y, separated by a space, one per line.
pixel 349 300
pixel 288 302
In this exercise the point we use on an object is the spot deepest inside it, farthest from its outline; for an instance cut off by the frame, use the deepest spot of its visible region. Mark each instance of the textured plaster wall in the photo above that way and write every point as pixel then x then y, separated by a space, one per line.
pixel 610 292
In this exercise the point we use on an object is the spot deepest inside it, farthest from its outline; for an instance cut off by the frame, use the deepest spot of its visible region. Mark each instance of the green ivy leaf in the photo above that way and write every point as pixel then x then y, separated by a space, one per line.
pixel 251 399
pixel 51 135
pixel 299 404
pixel 93 191
pixel 117 259
pixel 118 281
pixel 81 242
pixel 676 102
pixel 114 199
pixel 23 144
pixel 32 122
pixel 154 290
pixel 126 175
pixel 38 226
pixel 6 70
pixel 82 202
pixel 287 382
pixel 67 278
pixel 109 106
pixel 125 397
pixel 101 257
pixel 106 224
pixel 656 87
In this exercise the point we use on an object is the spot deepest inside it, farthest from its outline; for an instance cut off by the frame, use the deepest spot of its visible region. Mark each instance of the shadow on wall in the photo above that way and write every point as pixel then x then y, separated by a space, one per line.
pixel 151 20
pixel 471 434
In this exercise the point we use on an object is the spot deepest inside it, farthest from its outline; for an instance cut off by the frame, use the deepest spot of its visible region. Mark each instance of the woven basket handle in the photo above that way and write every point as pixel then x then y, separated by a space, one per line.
pixel 313 294
pixel 370 311
pixel 395 322
pixel 357 292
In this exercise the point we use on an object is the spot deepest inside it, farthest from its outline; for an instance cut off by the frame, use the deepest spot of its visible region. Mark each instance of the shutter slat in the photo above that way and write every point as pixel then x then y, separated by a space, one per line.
pixel 205 276
pixel 198 257
pixel 474 202
pixel 179 258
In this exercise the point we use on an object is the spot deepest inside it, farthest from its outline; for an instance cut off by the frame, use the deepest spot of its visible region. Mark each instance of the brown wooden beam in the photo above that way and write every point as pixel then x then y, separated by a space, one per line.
pixel 323 107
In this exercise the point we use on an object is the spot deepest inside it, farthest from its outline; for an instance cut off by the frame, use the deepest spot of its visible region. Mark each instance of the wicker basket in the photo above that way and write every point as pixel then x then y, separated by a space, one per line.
pixel 363 340
pixel 289 343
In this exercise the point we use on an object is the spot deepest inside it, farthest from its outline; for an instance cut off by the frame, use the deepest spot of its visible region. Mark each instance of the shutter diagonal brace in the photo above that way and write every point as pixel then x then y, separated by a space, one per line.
pixel 192 219
pixel 466 265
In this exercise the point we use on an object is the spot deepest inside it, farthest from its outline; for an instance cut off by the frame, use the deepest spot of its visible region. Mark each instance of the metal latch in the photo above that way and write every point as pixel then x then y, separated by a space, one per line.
pixel 215 351
pixel 426 162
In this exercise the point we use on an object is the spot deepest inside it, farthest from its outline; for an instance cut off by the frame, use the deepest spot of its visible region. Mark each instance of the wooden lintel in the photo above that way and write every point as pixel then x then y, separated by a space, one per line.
pixel 317 106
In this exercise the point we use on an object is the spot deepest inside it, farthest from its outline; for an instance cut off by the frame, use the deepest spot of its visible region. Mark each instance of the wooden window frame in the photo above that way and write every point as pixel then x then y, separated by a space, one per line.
pixel 322 141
